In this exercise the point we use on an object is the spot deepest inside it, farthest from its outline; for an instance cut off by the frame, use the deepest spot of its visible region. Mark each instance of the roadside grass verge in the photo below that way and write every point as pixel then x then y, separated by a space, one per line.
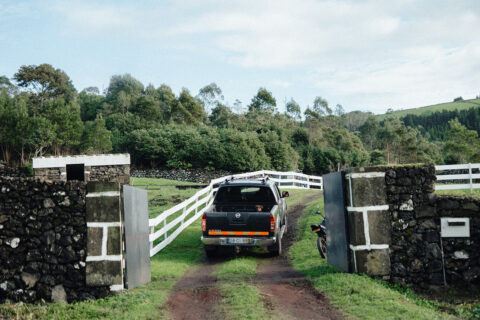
pixel 356 296
pixel 297 196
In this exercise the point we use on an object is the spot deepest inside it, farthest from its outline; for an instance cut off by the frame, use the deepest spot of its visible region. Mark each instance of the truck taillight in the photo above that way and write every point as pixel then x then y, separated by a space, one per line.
pixel 204 222
pixel 272 223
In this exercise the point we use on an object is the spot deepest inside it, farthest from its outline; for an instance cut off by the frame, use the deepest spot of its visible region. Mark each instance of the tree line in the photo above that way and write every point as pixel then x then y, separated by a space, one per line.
pixel 41 113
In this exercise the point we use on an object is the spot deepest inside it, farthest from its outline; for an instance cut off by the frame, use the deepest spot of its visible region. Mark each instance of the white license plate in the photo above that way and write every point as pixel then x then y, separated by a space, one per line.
pixel 238 240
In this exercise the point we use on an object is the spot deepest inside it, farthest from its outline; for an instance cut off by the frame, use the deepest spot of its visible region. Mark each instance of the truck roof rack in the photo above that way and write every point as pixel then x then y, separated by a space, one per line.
pixel 231 179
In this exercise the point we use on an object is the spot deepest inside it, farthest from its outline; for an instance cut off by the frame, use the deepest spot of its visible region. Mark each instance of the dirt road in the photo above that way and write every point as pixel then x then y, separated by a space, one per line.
pixel 286 293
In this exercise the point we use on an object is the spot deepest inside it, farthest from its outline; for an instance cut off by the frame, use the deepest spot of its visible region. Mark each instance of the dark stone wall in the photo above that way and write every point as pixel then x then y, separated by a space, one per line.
pixel 12 172
pixel 43 240
pixel 190 175
pixel 416 243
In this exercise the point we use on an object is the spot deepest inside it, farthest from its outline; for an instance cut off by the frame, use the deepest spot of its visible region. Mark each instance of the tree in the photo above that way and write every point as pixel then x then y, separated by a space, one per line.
pixel 167 102
pixel 368 132
pixel 462 145
pixel 90 102
pixel 45 82
pixel 263 100
pixel 7 86
pixel 320 106
pixel 339 111
pixel 210 96
pixel 221 116
pixel 68 126
pixel 293 109
pixel 147 108
pixel 189 109
pixel 96 137
pixel 122 92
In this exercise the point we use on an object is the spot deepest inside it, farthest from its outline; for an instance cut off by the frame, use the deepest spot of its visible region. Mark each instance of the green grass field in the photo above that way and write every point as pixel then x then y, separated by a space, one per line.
pixel 449 106
pixel 461 192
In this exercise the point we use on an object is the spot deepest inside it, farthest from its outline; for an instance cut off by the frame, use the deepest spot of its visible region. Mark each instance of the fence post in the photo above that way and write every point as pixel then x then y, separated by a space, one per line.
pixel 470 174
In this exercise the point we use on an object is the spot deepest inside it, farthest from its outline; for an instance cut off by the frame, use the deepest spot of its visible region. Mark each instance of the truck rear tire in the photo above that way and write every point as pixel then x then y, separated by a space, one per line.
pixel 211 251
pixel 276 249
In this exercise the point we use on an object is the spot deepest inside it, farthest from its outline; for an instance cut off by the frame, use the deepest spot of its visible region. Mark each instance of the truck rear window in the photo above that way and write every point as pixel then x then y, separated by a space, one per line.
pixel 239 194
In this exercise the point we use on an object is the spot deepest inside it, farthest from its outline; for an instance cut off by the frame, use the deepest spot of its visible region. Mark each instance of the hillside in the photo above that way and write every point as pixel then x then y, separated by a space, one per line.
pixel 449 106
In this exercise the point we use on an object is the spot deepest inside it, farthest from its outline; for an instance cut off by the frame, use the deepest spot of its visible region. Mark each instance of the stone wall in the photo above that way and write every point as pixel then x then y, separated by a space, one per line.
pixel 395 228
pixel 190 175
pixel 117 173
pixel 417 245
pixel 12 172
pixel 54 174
pixel 43 241
pixel 113 173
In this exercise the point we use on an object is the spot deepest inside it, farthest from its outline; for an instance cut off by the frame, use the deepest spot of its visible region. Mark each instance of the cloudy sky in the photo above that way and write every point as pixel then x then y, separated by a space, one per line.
pixel 365 55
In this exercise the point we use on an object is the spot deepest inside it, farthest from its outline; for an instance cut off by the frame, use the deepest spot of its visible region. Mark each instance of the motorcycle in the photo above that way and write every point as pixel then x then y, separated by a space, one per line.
pixel 321 231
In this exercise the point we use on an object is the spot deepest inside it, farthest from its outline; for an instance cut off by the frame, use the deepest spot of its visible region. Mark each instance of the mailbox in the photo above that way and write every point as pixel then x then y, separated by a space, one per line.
pixel 455 227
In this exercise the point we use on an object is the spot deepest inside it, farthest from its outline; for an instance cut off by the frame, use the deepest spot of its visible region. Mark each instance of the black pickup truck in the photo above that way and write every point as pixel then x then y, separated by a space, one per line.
pixel 245 213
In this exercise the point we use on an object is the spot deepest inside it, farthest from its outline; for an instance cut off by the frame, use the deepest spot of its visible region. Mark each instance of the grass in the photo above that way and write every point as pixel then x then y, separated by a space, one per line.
pixel 449 106
pixel 165 195
pixel 460 192
pixel 239 269
pixel 357 296
pixel 240 300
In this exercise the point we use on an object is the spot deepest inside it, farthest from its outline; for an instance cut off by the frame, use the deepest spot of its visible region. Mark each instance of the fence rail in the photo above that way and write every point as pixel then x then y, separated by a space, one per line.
pixel 184 214
pixel 456 185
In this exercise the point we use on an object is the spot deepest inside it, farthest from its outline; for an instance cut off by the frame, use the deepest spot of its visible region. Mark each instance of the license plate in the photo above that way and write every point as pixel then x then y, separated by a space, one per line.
pixel 238 240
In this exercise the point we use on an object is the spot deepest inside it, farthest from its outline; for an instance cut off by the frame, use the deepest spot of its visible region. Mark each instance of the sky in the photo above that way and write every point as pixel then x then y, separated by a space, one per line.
pixel 364 55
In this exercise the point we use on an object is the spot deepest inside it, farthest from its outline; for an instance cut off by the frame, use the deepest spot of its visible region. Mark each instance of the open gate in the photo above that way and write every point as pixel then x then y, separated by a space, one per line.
pixel 136 235
pixel 337 226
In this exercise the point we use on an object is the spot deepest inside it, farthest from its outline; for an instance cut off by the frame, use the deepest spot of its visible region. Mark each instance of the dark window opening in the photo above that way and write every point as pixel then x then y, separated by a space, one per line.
pixel 75 172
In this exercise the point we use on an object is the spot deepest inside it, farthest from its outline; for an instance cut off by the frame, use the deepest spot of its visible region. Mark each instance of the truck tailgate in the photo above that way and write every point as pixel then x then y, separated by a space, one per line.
pixel 238 221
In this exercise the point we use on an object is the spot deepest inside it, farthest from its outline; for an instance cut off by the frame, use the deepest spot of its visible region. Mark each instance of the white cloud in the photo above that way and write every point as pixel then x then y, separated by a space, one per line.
pixel 376 53
pixel 281 83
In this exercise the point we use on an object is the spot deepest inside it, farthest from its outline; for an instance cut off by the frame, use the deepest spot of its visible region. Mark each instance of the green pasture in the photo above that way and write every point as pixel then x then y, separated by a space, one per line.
pixel 449 106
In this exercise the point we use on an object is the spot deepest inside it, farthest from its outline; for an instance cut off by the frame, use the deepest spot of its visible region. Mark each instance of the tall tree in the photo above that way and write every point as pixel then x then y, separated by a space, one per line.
pixel 96 137
pixel 263 100
pixel 320 106
pixel 462 145
pixel 293 109
pixel 45 82
pixel 210 96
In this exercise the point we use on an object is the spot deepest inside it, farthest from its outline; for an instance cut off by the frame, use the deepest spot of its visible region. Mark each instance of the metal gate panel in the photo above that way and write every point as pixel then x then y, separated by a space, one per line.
pixel 137 245
pixel 337 228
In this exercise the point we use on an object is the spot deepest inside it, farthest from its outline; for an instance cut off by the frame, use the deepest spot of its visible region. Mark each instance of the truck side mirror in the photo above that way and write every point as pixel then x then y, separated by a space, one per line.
pixel 285 194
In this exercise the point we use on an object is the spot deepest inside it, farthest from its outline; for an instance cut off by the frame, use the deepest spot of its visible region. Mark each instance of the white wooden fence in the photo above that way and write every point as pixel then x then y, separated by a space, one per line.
pixel 185 213
pixel 453 185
